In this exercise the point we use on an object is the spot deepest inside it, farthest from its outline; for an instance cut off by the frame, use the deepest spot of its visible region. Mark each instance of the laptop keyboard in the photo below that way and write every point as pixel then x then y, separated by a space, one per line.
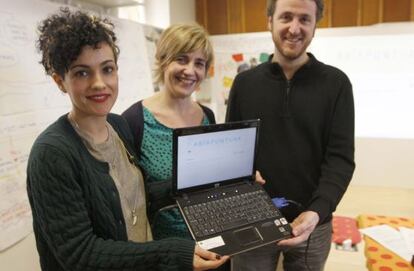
pixel 228 213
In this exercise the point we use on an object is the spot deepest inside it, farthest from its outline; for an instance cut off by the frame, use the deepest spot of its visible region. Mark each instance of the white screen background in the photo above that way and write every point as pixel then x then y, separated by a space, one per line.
pixel 211 157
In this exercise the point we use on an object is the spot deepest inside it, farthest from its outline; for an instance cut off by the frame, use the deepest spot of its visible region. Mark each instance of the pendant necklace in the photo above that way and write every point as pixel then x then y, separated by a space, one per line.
pixel 111 161
pixel 130 157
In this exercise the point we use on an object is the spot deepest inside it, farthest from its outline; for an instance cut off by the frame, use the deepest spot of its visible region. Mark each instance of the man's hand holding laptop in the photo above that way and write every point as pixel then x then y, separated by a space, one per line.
pixel 259 179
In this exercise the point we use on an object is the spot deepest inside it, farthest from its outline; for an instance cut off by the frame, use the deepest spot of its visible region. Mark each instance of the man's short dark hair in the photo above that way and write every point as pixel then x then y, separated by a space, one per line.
pixel 271 5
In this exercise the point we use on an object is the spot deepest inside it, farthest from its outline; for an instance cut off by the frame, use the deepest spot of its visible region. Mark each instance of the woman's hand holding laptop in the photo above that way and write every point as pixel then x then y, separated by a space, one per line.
pixel 205 260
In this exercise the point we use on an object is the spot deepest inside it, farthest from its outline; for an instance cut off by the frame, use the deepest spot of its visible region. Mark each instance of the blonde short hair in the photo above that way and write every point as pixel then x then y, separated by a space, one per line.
pixel 180 39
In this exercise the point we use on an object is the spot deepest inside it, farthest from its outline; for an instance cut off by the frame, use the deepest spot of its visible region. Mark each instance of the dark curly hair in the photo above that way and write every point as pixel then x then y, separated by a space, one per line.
pixel 63 35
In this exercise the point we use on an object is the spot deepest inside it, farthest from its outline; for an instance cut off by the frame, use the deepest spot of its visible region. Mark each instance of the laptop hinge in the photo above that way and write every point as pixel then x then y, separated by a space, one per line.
pixel 185 196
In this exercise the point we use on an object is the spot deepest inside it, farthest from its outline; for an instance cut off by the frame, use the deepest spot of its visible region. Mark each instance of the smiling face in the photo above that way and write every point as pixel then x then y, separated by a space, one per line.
pixel 91 81
pixel 293 27
pixel 184 74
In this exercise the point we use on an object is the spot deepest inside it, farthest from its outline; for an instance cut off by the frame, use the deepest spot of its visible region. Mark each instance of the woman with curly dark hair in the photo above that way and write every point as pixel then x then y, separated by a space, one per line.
pixel 85 189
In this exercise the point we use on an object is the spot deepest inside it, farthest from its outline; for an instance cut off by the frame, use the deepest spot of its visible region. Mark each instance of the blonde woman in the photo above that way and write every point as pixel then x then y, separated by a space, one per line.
pixel 183 56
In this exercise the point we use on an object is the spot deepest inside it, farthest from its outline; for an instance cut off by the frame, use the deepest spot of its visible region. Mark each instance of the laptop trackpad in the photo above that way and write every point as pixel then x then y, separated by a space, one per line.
pixel 247 236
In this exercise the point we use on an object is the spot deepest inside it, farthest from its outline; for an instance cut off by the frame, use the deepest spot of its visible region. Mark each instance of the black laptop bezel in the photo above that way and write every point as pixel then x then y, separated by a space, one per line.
pixel 255 123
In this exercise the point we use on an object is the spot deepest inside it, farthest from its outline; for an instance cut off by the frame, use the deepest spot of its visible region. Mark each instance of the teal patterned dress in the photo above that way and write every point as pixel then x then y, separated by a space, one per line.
pixel 156 160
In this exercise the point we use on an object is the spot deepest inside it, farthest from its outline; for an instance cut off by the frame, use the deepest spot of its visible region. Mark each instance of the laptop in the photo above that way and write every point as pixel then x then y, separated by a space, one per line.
pixel 225 210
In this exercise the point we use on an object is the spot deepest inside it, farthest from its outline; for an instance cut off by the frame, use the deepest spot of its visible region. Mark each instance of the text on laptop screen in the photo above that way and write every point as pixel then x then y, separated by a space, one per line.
pixel 215 156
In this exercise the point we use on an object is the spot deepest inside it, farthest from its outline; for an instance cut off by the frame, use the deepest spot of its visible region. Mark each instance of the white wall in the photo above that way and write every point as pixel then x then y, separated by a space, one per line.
pixel 384 162
pixel 161 13
pixel 21 257
pixel 158 13
pixel 182 11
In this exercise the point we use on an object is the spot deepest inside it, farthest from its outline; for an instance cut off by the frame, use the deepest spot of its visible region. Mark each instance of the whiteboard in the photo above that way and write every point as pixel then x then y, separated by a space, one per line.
pixel 378 59
pixel 30 101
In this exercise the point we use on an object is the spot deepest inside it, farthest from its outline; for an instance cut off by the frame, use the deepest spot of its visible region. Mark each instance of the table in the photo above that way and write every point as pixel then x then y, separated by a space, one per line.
pixel 378 257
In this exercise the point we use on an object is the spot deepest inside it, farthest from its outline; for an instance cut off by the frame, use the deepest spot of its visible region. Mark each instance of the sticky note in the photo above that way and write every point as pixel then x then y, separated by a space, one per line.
pixel 237 57
pixel 263 57
pixel 227 82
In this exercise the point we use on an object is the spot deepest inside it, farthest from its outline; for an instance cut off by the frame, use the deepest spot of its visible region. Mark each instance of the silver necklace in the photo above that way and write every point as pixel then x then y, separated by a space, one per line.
pixel 111 160
pixel 133 210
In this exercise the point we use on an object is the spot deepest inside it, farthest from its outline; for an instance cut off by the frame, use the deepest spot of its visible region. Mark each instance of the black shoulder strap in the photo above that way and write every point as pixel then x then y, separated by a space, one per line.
pixel 209 113
pixel 135 118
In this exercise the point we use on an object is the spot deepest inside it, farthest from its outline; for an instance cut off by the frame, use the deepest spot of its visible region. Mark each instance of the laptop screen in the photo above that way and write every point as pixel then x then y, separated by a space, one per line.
pixel 210 157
